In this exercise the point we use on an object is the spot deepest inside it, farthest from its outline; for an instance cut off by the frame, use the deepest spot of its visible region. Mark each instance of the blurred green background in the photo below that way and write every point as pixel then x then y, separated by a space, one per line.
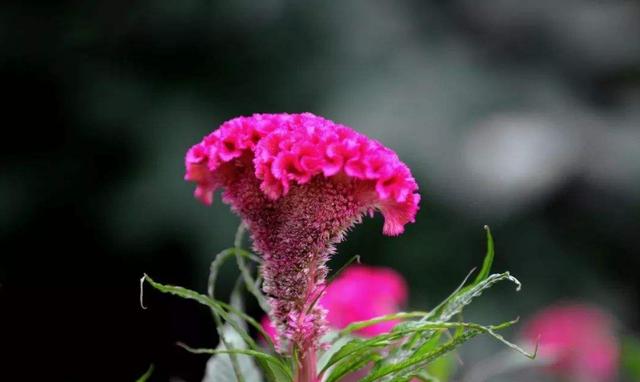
pixel 521 115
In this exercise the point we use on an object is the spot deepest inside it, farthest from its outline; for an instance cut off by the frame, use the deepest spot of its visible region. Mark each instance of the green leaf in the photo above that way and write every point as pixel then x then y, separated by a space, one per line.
pixel 389 317
pixel 217 313
pixel 631 357
pixel 213 274
pixel 253 353
pixel 422 342
pixel 435 312
pixel 229 339
pixel 454 304
pixel 337 273
pixel 336 345
pixel 421 375
pixel 230 367
pixel 237 240
pixel 255 324
pixel 490 330
pixel 352 365
pixel 420 360
pixel 204 300
pixel 465 297
pixel 441 368
pixel 356 347
pixel 221 309
pixel 430 344
pixel 319 295
pixel 147 374
pixel 488 259
pixel 412 363
pixel 214 268
pixel 216 264
pixel 461 289
pixel 237 303
pixel 250 283
pixel 226 366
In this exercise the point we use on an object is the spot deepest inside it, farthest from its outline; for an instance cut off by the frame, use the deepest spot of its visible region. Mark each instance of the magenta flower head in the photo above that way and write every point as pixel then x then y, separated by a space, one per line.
pixel 299 181
pixel 360 293
pixel 578 341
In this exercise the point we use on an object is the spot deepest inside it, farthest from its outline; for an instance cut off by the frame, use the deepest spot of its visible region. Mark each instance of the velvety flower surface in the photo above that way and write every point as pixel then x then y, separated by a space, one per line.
pixel 360 293
pixel 299 181
pixel 292 149
pixel 578 340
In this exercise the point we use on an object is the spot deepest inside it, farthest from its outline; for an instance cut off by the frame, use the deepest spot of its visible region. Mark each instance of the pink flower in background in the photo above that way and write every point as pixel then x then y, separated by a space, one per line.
pixel 299 181
pixel 363 292
pixel 268 327
pixel 360 293
pixel 578 340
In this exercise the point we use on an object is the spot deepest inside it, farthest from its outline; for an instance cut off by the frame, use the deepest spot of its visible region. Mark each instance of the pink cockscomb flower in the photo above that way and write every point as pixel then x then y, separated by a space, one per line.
pixel 299 181
pixel 578 341
pixel 360 293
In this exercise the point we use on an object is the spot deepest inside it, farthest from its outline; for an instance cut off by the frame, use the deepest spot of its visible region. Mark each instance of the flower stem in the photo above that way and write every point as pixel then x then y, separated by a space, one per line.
pixel 307 371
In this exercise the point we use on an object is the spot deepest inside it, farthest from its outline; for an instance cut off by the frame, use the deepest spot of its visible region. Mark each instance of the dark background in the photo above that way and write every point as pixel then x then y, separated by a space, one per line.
pixel 521 115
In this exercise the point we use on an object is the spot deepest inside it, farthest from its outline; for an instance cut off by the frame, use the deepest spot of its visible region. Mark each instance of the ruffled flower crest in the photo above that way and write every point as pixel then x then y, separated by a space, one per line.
pixel 293 148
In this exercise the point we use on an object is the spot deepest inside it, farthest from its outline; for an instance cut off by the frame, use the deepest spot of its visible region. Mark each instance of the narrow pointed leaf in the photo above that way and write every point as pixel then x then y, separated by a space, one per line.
pixel 337 273
pixel 254 353
pixel 352 365
pixel 422 360
pixel 145 377
pixel 389 317
pixel 488 259
pixel 463 299
pixel 218 308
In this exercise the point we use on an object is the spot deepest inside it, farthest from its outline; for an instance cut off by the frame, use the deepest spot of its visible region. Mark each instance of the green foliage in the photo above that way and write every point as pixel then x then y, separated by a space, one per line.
pixel 227 313
pixel 337 273
pixel 488 259
pixel 414 344
pixel 147 374
pixel 441 368
pixel 352 364
pixel 231 366
pixel 259 355
pixel 631 357
pixel 231 321
pixel 252 285
pixel 414 349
